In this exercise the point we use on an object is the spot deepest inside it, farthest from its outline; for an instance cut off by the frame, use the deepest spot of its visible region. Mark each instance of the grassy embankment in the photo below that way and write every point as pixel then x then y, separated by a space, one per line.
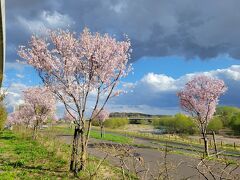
pixel 45 158
pixel 177 144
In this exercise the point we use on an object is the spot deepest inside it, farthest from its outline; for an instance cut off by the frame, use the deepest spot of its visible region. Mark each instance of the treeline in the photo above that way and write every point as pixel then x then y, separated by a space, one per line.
pixel 114 122
pixel 225 117
pixel 132 115
pixel 179 123
pixel 230 117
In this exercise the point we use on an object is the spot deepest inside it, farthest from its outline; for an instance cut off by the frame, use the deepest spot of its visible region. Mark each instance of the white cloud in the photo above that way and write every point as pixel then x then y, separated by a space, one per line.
pixel 158 82
pixel 231 73
pixel 20 76
pixel 118 7
pixel 153 94
pixel 14 95
pixel 128 85
pixel 15 65
pixel 156 93
pixel 45 21
pixel 55 19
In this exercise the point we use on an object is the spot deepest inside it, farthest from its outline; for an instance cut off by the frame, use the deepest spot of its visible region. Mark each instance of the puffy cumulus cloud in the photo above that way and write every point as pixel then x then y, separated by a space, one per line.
pixel 156 93
pixel 14 95
pixel 153 94
pixel 156 27
pixel 232 73
pixel 158 82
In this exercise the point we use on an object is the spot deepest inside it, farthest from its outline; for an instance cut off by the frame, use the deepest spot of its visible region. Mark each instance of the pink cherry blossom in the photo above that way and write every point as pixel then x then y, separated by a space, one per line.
pixel 74 66
pixel 40 103
pixel 12 119
pixel 101 115
pixel 68 117
pixel 199 98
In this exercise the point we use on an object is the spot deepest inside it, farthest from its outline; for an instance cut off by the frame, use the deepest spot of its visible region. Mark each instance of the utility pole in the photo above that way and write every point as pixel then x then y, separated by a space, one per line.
pixel 2 39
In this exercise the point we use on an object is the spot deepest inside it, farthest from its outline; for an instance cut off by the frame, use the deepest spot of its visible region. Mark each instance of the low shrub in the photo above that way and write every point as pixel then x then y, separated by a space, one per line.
pixel 179 123
pixel 140 121
pixel 235 123
pixel 162 122
pixel 184 124
pixel 113 122
pixel 226 113
pixel 95 122
pixel 215 125
pixel 3 116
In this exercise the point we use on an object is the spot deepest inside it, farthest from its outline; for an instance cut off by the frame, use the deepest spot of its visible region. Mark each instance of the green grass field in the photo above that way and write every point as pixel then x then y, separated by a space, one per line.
pixel 96 134
pixel 26 159
pixel 45 158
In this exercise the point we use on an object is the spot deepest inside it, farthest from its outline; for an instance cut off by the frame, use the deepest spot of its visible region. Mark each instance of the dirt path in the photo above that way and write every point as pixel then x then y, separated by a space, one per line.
pixel 152 158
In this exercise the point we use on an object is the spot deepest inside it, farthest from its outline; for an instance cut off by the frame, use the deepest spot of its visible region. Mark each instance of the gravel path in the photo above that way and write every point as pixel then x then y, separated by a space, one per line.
pixel 183 147
pixel 152 158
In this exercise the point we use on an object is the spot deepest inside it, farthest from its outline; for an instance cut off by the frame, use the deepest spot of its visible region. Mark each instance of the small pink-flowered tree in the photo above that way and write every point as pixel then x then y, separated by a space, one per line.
pixel 25 114
pixel 68 118
pixel 12 119
pixel 54 119
pixel 74 68
pixel 199 98
pixel 22 116
pixel 101 116
pixel 40 104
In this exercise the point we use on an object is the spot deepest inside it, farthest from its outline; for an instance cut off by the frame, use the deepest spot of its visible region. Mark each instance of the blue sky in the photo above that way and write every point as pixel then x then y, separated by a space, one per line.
pixel 171 44
pixel 175 66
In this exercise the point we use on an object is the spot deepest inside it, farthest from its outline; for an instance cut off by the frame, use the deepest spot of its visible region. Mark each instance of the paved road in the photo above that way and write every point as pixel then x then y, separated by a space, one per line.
pixel 152 158
pixel 193 149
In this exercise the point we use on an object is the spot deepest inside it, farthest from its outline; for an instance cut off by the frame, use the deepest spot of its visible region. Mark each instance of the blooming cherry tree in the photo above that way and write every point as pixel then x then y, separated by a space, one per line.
pixel 19 117
pixel 12 119
pixel 101 116
pixel 69 118
pixel 75 67
pixel 25 114
pixel 54 119
pixel 39 105
pixel 199 98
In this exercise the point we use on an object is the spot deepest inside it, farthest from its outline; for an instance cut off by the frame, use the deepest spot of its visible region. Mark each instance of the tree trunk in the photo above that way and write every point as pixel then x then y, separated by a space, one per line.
pixel 75 151
pixel 215 144
pixel 35 128
pixel 101 131
pixel 83 155
pixel 34 132
pixel 78 163
pixel 205 140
